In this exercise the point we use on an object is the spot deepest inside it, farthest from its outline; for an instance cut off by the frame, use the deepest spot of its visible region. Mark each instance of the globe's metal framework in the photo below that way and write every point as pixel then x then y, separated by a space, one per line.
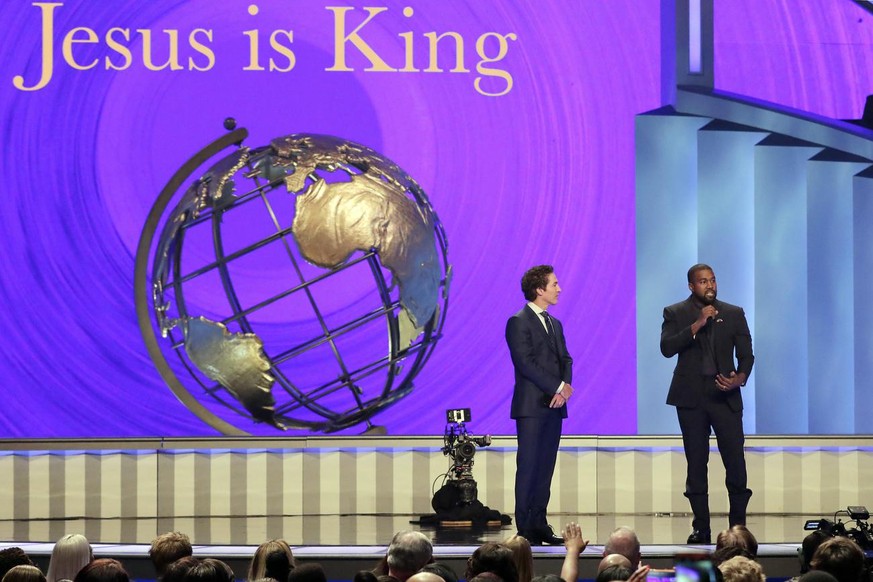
pixel 354 208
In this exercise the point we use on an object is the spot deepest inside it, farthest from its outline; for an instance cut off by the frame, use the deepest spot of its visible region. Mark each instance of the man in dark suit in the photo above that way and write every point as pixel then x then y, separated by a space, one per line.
pixel 707 333
pixel 543 372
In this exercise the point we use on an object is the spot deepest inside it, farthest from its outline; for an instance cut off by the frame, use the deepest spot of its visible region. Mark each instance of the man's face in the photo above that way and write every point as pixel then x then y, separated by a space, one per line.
pixel 703 286
pixel 549 295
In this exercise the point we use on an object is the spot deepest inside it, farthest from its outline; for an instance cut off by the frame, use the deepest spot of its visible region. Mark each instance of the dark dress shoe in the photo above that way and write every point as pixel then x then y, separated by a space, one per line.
pixel 700 537
pixel 547 536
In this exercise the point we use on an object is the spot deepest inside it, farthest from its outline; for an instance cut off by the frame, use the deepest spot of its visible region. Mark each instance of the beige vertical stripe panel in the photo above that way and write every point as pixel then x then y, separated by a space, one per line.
pixel 421 480
pixel 626 481
pixel 348 482
pixel 644 481
pixel 7 486
pixel 793 483
pixel 110 485
pixel 606 476
pixel 311 487
pixel 663 481
pixel 220 482
pixel 329 483
pixel 829 485
pixel 366 486
pixel 185 488
pixel 402 482
pixel 756 468
pixel 589 477
pixel 810 474
pixel 773 475
pixel 292 481
pixel 848 478
pixel 147 485
pixel 74 479
pixel 256 473
pixel 39 491
pixel 384 482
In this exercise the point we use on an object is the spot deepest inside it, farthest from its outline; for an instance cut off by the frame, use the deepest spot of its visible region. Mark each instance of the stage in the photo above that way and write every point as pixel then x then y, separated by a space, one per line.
pixel 339 501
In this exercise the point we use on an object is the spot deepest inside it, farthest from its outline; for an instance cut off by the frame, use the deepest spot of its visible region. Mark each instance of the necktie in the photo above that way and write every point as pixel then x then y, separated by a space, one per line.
pixel 549 328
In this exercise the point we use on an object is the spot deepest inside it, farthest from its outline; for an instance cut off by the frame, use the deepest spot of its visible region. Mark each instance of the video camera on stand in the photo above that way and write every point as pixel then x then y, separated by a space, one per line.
pixel 461 447
pixel 861 534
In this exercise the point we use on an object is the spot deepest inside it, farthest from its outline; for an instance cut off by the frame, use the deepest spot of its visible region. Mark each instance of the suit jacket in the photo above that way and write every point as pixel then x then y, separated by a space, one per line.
pixel 730 336
pixel 540 367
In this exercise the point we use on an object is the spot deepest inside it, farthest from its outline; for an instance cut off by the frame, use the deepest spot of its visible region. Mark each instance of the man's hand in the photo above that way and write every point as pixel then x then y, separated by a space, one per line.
pixel 709 311
pixel 566 391
pixel 573 539
pixel 557 401
pixel 726 383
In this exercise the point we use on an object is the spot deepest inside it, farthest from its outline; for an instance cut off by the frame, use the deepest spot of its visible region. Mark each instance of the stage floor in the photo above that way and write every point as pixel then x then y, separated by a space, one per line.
pixel 344 544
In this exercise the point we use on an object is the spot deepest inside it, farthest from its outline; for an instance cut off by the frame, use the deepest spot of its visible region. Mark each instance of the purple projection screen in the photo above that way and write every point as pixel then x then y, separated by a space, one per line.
pixel 523 141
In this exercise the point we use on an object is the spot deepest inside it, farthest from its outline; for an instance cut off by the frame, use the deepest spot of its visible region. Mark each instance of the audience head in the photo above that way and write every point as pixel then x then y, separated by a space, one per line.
pixel 102 570
pixel 726 553
pixel 307 573
pixel 809 546
pixel 522 556
pixel 408 553
pixel 209 570
pixel 24 573
pixel 167 548
pixel 11 557
pixel 70 554
pixel 613 560
pixel 548 578
pixel 486 577
pixel 421 576
pixel 365 576
pixel 840 557
pixel 614 572
pixel 272 559
pixel 739 536
pixel 742 569
pixel 817 576
pixel 494 558
pixel 442 570
pixel 624 541
pixel 177 571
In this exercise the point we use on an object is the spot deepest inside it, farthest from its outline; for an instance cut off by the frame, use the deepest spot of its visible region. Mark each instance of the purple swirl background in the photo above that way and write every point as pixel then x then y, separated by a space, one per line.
pixel 542 174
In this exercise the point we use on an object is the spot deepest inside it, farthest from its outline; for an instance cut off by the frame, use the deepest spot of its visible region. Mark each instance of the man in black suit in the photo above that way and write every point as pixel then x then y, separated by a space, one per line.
pixel 707 333
pixel 543 372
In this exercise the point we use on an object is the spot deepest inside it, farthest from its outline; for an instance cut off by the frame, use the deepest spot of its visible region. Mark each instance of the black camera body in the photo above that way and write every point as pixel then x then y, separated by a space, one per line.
pixel 461 447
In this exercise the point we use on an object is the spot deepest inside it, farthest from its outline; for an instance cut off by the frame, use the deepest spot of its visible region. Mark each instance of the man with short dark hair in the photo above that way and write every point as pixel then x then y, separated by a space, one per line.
pixel 840 557
pixel 706 334
pixel 543 372
pixel 167 548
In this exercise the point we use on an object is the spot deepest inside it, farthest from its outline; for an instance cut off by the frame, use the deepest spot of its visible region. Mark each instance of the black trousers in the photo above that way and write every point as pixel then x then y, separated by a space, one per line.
pixel 538 440
pixel 714 414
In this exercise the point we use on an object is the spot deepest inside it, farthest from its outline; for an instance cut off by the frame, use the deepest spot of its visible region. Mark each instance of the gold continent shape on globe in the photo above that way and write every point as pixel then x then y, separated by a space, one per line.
pixel 333 220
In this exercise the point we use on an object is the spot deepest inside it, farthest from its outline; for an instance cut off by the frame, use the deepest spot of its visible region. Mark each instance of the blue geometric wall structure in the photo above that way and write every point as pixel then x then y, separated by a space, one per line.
pixel 785 222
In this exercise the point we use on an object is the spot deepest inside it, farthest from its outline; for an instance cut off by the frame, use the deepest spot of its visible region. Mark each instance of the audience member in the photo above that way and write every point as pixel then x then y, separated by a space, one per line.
pixel 624 541
pixel 615 572
pixel 739 536
pixel 522 556
pixel 841 557
pixel 548 578
pixel 808 547
pixel 11 557
pixel 492 577
pixel 23 573
pixel 365 576
pixel 422 576
pixel 102 570
pixel 386 578
pixel 494 558
pixel 272 559
pixel 167 548
pixel 742 569
pixel 307 573
pixel 441 569
pixel 726 553
pixel 613 560
pixel 209 570
pixel 70 554
pixel 177 571
pixel 817 576
pixel 575 545
pixel 408 553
